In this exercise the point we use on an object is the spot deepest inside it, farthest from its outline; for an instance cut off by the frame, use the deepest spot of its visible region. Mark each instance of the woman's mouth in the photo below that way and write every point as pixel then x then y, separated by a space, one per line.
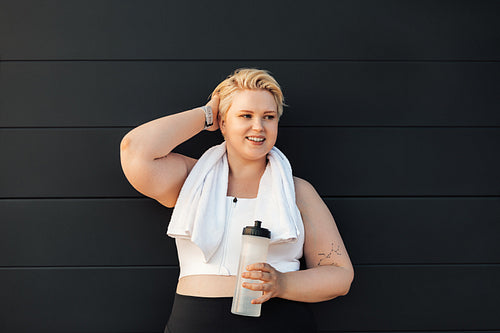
pixel 256 138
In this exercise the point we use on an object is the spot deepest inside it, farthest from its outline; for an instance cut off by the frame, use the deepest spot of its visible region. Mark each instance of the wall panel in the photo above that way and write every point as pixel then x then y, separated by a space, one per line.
pixel 338 161
pixel 85 232
pixel 129 232
pixel 319 93
pixel 395 298
pixel 138 299
pixel 361 29
pixel 86 299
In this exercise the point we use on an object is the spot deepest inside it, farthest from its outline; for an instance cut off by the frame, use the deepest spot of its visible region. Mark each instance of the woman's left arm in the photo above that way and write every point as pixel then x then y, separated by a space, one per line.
pixel 329 270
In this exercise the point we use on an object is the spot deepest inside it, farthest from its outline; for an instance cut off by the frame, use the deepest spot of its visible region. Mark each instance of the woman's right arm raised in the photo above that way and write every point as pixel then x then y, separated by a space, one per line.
pixel 146 153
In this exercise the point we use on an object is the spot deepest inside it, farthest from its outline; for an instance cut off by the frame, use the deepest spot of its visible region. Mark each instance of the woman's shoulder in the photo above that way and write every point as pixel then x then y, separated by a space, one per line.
pixel 301 184
pixel 305 193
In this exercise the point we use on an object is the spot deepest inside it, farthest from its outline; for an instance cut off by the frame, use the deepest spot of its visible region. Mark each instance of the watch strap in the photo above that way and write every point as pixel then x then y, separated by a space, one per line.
pixel 209 118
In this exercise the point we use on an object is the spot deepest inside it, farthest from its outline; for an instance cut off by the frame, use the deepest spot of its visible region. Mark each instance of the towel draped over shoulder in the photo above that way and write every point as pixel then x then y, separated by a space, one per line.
pixel 200 211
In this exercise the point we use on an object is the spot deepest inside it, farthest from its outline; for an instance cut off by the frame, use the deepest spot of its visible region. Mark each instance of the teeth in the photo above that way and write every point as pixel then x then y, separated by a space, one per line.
pixel 252 138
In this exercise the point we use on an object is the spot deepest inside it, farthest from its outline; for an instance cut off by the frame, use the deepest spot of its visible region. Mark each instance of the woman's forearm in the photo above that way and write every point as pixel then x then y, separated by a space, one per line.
pixel 159 137
pixel 316 284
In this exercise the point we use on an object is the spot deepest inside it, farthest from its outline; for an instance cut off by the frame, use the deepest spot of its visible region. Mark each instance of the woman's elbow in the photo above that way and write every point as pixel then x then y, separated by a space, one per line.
pixel 128 152
pixel 343 285
pixel 125 153
pixel 348 282
pixel 338 285
pixel 125 144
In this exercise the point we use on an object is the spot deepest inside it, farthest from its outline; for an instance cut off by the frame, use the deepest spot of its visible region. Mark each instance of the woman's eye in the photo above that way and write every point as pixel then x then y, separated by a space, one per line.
pixel 248 116
pixel 269 117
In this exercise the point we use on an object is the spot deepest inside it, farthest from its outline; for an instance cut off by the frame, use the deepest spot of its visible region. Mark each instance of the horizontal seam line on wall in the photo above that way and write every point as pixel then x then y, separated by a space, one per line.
pixel 407 196
pixel 414 331
pixel 429 265
pixel 90 267
pixel 258 60
pixel 402 265
pixel 281 126
pixel 323 196
pixel 395 126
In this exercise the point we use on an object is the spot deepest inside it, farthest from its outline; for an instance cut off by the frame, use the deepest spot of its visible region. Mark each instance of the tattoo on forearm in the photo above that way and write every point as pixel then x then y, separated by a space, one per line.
pixel 326 256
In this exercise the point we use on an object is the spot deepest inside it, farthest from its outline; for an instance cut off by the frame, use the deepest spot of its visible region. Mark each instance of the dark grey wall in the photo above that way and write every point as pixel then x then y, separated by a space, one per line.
pixel 394 117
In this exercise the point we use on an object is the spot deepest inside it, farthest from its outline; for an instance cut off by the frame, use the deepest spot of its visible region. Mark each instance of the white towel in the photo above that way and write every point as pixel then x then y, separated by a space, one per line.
pixel 200 211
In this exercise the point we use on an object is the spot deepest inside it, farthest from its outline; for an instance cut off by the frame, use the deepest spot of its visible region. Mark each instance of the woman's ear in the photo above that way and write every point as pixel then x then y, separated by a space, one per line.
pixel 222 124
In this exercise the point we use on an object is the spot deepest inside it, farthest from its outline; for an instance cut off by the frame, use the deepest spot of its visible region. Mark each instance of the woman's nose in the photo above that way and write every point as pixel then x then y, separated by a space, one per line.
pixel 257 124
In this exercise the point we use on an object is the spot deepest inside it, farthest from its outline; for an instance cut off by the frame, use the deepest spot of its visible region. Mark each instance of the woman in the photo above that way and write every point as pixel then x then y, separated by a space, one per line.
pixel 227 188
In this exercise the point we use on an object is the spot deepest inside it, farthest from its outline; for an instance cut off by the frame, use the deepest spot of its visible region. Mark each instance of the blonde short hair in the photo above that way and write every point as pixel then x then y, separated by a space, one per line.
pixel 247 78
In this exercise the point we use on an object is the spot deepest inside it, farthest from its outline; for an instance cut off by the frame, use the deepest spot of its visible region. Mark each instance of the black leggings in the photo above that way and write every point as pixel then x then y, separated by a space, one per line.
pixel 200 314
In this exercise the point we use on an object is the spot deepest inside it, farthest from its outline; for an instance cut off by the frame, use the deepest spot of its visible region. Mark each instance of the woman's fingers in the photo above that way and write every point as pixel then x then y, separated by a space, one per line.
pixel 258 286
pixel 260 266
pixel 269 290
pixel 270 277
pixel 262 299
pixel 263 276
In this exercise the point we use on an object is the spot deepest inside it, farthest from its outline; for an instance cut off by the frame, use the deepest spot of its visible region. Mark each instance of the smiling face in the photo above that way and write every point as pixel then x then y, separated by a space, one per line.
pixel 250 125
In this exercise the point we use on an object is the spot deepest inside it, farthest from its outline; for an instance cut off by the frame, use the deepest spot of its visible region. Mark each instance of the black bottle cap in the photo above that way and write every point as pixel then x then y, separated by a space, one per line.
pixel 256 230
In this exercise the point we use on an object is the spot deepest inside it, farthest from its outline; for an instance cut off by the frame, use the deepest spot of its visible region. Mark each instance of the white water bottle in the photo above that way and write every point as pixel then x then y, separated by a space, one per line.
pixel 254 246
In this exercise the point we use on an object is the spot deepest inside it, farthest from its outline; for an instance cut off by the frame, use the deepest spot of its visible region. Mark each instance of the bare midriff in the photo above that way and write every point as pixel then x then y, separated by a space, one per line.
pixel 207 285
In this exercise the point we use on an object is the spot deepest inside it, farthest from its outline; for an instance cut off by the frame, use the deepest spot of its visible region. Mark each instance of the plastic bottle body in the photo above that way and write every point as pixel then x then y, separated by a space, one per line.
pixel 253 250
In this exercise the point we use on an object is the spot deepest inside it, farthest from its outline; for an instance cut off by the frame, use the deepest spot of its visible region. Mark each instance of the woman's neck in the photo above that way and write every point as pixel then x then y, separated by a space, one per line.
pixel 244 177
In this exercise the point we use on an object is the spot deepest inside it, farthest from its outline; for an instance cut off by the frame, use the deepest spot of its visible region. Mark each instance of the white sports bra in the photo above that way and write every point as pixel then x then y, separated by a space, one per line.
pixel 239 213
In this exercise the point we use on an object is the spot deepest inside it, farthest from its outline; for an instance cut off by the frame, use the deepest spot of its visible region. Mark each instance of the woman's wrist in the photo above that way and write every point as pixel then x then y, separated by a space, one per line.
pixel 209 118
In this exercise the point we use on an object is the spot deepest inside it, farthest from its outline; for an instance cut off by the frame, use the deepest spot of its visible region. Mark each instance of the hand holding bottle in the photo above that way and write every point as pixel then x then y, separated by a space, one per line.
pixel 271 278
